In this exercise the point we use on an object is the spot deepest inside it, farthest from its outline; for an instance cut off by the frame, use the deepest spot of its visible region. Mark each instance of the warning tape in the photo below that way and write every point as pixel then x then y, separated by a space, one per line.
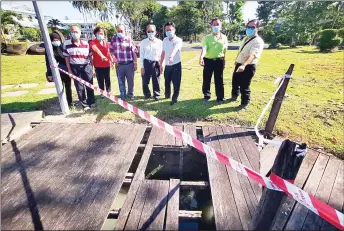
pixel 275 182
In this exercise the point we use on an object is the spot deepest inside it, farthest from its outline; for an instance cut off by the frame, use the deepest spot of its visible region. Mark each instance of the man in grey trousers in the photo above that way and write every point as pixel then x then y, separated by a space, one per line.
pixel 124 56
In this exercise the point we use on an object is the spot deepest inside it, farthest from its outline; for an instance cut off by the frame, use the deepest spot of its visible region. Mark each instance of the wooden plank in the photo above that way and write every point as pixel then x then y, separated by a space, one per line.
pixel 135 214
pixel 251 160
pixel 152 217
pixel 70 189
pixel 299 213
pixel 286 208
pixel 95 181
pixel 138 178
pixel 226 215
pixel 191 130
pixel 172 219
pixel 239 197
pixel 178 141
pixel 336 199
pixel 249 188
pixel 117 169
pixel 13 190
pixel 313 221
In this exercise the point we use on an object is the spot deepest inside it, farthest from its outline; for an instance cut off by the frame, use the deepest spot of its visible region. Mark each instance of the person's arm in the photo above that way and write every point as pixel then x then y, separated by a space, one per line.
pixel 255 52
pixel 134 51
pixel 225 51
pixel 67 58
pixel 95 49
pixel 177 48
pixel 112 51
pixel 47 65
pixel 142 54
pixel 203 52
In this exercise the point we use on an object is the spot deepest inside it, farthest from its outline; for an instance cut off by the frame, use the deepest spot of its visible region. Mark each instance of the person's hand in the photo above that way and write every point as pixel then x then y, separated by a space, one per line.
pixel 70 72
pixel 234 63
pixel 94 72
pixel 49 78
pixel 142 72
pixel 241 68
pixel 104 58
pixel 170 60
pixel 161 69
pixel 135 66
pixel 224 64
pixel 201 62
pixel 115 60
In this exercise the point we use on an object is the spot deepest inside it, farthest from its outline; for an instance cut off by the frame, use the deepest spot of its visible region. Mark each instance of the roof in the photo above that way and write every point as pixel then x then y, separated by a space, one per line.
pixel 77 21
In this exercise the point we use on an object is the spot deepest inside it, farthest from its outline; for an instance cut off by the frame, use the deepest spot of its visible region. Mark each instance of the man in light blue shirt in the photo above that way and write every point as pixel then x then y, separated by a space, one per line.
pixel 171 56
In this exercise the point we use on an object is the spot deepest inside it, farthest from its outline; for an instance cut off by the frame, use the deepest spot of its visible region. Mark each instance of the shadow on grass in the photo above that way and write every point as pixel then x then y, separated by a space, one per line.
pixel 28 106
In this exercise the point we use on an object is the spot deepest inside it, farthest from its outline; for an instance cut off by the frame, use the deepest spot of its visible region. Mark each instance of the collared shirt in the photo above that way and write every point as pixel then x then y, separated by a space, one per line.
pixel 103 46
pixel 78 54
pixel 215 48
pixel 168 45
pixel 255 47
pixel 150 49
pixel 122 49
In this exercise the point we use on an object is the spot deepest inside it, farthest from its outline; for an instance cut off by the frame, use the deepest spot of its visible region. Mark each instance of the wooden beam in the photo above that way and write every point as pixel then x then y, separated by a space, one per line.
pixel 183 214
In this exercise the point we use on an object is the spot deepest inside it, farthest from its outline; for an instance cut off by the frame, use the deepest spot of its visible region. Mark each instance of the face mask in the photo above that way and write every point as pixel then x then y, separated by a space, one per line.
pixel 169 34
pixel 120 35
pixel 215 29
pixel 56 43
pixel 75 36
pixel 249 32
pixel 100 37
pixel 150 35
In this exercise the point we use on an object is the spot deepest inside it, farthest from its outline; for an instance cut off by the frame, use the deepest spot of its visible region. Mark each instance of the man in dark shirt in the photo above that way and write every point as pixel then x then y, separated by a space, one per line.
pixel 57 40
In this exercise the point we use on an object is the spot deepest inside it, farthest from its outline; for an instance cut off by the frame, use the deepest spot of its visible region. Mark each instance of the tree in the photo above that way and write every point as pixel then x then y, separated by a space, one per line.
pixel 53 23
pixel 160 18
pixel 110 29
pixel 234 11
pixel 30 34
pixel 7 19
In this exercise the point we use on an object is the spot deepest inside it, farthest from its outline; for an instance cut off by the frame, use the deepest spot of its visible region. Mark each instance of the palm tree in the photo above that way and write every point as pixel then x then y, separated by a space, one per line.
pixel 53 23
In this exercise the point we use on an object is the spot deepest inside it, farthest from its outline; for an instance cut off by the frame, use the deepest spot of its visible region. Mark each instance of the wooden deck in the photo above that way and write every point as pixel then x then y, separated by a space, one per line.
pixel 321 175
pixel 65 176
pixel 68 180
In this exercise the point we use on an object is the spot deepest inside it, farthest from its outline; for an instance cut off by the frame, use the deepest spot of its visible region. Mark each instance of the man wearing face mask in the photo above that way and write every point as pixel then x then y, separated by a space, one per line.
pixel 123 52
pixel 213 59
pixel 57 39
pixel 101 59
pixel 171 56
pixel 150 52
pixel 245 64
pixel 77 54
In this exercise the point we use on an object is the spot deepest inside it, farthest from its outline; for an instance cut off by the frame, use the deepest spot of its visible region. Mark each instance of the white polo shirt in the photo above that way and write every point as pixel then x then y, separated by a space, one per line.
pixel 255 46
pixel 168 45
pixel 150 49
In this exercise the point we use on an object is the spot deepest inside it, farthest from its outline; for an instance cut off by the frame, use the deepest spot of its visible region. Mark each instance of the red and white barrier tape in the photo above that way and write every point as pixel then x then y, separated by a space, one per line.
pixel 320 208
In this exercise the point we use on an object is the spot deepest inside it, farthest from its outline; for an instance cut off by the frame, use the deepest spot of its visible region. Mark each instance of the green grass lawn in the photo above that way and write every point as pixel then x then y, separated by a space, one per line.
pixel 312 111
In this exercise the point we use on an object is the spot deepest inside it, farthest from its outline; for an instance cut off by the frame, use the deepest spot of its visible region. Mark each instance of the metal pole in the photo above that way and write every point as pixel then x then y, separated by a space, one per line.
pixel 52 61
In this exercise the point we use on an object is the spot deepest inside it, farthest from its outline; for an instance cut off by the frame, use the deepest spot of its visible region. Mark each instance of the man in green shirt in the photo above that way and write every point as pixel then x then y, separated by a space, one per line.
pixel 213 60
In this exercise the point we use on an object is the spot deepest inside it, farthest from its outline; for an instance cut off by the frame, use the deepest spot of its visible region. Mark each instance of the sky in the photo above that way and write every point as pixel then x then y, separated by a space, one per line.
pixel 61 9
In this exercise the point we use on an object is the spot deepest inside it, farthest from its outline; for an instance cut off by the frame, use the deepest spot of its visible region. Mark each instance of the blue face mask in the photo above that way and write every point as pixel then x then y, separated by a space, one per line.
pixel 75 36
pixel 215 29
pixel 100 37
pixel 169 34
pixel 120 35
pixel 56 43
pixel 249 31
pixel 150 35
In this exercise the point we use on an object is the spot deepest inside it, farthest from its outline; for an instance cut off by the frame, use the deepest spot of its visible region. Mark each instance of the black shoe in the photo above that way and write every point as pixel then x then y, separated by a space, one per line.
pixel 242 107
pixel 102 96
pixel 233 99
pixel 93 105
pixel 205 100
pixel 219 101
pixel 167 97
pixel 147 97
pixel 156 98
pixel 86 108
pixel 131 97
pixel 173 102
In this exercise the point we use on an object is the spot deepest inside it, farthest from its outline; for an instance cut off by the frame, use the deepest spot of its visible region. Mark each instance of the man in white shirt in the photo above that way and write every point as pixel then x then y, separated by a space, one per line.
pixel 245 63
pixel 171 55
pixel 150 52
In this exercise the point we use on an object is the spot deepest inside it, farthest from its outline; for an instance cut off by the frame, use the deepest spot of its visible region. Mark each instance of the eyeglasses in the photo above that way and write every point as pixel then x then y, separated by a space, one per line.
pixel 150 31
pixel 120 31
pixel 251 27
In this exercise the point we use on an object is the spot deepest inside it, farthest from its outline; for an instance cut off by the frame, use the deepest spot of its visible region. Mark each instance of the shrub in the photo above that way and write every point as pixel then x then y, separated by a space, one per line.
pixel 340 33
pixel 328 40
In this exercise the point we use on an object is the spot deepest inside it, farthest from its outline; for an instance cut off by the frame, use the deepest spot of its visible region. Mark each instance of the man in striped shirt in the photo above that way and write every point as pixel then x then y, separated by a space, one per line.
pixel 77 54
pixel 124 56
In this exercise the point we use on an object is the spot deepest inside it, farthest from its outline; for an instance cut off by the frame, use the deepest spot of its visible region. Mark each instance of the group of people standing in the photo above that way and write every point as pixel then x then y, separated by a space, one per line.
pixel 94 58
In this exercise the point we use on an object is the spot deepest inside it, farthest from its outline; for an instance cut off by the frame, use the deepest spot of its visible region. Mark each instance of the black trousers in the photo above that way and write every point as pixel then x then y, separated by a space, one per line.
pixel 241 82
pixel 213 66
pixel 152 70
pixel 173 74
pixel 85 73
pixel 67 83
pixel 103 77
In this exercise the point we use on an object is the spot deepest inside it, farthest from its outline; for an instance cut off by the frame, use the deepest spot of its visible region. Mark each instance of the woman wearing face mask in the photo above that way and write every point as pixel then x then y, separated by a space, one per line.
pixel 101 59
pixel 213 60
pixel 57 40
pixel 245 64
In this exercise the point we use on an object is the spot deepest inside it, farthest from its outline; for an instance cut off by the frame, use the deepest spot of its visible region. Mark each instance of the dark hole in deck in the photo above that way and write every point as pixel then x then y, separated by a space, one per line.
pixel 194 166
